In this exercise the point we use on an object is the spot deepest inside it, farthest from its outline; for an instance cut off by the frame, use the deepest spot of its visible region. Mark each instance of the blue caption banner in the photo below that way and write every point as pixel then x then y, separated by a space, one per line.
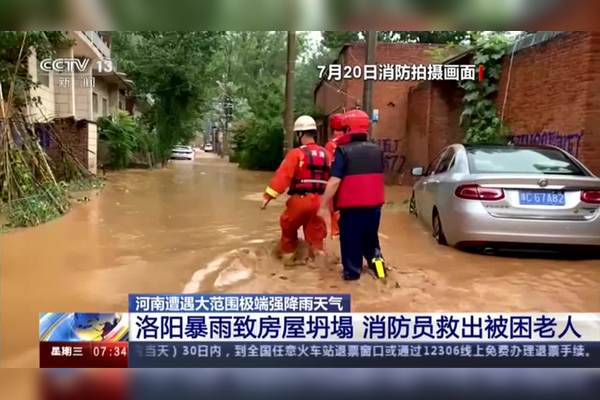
pixel 239 303
pixel 267 327
pixel 363 354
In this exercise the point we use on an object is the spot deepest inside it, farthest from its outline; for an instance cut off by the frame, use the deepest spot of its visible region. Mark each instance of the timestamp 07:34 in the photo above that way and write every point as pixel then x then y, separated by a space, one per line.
pixel 103 350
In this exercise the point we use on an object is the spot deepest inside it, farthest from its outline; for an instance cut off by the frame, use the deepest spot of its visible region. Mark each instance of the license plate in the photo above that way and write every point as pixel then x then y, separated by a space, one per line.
pixel 542 198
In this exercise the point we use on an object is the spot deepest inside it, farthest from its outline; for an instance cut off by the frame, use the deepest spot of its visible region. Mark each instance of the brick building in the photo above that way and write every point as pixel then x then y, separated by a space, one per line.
pixel 553 95
pixel 549 93
pixel 390 97
pixel 71 102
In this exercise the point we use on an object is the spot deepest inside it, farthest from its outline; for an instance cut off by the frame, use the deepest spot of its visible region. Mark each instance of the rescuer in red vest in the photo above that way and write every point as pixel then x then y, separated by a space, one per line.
pixel 305 171
pixel 358 186
pixel 335 122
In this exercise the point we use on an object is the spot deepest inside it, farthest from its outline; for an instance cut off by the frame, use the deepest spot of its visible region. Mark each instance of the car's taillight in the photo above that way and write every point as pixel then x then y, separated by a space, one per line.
pixel 591 196
pixel 467 192
pixel 476 192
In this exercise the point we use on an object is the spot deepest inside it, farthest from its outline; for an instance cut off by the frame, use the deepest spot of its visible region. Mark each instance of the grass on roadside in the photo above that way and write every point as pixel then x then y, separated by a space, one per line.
pixel 44 204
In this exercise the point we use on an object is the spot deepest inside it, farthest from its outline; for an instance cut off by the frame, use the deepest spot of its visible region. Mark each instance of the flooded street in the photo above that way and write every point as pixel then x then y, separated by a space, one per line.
pixel 197 227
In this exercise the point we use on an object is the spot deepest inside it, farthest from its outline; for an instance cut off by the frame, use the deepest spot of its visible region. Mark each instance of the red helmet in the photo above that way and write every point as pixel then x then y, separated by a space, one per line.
pixel 336 121
pixel 356 121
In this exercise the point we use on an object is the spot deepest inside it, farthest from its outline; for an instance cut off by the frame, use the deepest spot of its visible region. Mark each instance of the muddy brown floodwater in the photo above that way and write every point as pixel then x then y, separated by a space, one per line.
pixel 197 227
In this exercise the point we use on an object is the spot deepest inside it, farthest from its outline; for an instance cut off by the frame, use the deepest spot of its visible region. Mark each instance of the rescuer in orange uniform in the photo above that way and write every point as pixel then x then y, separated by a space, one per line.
pixel 336 124
pixel 305 171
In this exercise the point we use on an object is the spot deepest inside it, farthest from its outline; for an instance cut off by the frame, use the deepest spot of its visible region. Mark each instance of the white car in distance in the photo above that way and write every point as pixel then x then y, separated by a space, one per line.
pixel 181 152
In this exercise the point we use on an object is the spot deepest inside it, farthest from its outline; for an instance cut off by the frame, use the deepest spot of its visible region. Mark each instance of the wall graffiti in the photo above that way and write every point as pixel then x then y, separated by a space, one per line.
pixel 393 161
pixel 568 142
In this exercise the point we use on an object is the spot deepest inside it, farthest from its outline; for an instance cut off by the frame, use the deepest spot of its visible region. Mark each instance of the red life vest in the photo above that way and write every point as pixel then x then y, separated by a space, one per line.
pixel 313 173
pixel 332 144
pixel 363 182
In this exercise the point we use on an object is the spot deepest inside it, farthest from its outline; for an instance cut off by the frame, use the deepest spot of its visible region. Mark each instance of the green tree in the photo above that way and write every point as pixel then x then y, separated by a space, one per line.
pixel 439 37
pixel 253 76
pixel 125 136
pixel 334 40
pixel 480 116
pixel 307 74
pixel 43 43
pixel 29 191
pixel 171 69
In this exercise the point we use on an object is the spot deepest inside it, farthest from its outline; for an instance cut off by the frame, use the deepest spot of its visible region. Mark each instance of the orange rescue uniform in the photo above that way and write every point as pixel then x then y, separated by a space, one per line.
pixel 303 204
pixel 330 146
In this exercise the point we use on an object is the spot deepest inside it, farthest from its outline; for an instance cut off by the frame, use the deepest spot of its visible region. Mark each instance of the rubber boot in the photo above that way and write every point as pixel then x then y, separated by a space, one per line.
pixel 378 265
pixel 288 259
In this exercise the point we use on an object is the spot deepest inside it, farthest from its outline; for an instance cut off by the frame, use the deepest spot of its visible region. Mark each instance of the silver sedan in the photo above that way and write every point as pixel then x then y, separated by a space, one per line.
pixel 479 195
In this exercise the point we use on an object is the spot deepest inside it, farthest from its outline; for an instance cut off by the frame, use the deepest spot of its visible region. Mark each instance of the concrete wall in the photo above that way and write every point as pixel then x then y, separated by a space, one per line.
pixel 83 103
pixel 67 102
pixel 113 101
pixel 92 147
pixel 64 90
pixel 103 91
pixel 45 111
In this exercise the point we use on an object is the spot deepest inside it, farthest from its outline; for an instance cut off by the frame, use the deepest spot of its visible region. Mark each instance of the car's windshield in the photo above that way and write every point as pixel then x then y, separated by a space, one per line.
pixel 523 160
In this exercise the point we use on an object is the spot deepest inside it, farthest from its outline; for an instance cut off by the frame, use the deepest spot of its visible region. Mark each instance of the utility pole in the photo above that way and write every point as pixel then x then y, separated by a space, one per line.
pixel 228 108
pixel 288 118
pixel 370 52
pixel 214 136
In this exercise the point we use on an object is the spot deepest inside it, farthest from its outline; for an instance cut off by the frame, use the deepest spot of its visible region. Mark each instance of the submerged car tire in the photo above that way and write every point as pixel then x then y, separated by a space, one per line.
pixel 436 228
pixel 412 205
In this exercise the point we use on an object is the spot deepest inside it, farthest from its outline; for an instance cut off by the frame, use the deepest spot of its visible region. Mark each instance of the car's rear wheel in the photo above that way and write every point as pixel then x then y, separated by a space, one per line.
pixel 412 205
pixel 437 229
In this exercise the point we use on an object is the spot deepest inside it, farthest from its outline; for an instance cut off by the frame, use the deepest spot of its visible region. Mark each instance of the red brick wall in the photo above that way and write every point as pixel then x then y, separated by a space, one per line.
pixel 553 97
pixel 418 128
pixel 74 136
pixel 446 106
pixel 549 97
pixel 590 149
pixel 390 98
pixel 329 99
pixel 433 113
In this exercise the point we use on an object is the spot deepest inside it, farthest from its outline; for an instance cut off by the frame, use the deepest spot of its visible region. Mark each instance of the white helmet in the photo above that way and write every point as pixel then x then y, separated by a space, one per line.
pixel 305 123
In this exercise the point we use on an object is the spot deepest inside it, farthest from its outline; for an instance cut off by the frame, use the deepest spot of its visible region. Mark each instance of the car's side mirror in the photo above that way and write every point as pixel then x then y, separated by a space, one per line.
pixel 417 171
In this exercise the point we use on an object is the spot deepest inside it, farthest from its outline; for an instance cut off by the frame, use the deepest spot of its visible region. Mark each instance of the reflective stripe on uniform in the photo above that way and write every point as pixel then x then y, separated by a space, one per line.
pixel 271 192
pixel 313 181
